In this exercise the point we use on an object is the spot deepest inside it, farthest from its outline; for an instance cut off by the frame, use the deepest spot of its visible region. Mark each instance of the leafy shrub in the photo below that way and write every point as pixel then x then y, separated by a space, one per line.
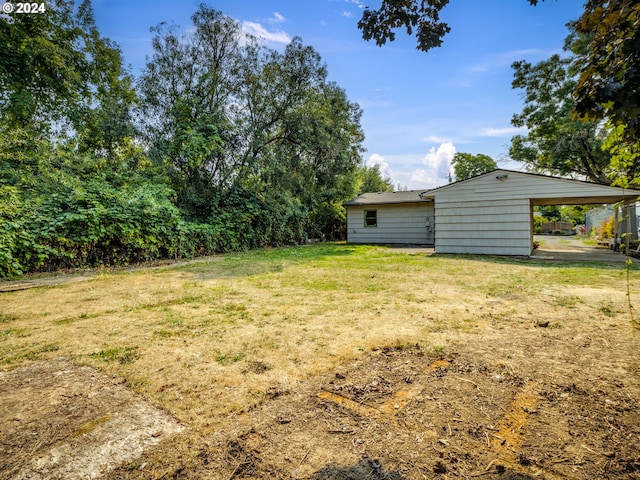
pixel 606 228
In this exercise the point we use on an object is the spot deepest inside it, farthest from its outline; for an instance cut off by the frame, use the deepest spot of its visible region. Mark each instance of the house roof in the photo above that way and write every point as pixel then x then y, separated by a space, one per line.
pixel 383 198
pixel 565 191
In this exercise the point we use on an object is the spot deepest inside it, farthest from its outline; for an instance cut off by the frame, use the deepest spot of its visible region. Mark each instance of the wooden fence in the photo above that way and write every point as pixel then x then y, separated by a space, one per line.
pixel 550 227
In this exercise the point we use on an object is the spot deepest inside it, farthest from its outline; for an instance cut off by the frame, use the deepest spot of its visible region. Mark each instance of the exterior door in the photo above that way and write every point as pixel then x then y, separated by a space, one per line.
pixel 430 225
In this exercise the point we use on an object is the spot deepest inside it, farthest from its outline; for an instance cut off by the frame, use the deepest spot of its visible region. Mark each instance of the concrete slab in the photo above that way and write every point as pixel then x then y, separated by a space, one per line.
pixel 573 249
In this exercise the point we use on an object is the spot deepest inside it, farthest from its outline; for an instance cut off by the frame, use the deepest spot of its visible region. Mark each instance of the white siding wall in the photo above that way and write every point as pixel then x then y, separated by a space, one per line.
pixel 484 227
pixel 404 224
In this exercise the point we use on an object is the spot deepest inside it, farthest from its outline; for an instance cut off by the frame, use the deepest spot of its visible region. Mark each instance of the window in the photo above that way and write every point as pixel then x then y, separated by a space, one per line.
pixel 370 218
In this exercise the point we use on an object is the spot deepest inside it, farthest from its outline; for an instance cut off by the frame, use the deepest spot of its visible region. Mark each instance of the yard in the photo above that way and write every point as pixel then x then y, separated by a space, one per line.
pixel 330 361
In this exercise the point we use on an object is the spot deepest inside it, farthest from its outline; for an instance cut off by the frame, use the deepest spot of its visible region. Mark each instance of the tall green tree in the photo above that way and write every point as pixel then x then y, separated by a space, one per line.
pixel 556 142
pixel 104 122
pixel 467 165
pixel 302 134
pixel 43 73
pixel 60 78
pixel 239 127
pixel 186 90
pixel 608 86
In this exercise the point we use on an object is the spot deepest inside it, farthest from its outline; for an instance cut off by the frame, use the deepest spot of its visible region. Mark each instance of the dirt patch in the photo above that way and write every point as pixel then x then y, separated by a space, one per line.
pixel 62 421
pixel 16 285
pixel 402 414
pixel 395 414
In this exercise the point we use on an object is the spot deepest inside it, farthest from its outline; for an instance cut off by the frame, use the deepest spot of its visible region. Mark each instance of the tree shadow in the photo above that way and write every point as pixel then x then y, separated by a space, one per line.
pixel 554 260
pixel 366 469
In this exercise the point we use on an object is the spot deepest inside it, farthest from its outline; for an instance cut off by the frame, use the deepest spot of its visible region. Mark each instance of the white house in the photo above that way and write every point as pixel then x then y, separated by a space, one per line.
pixel 491 213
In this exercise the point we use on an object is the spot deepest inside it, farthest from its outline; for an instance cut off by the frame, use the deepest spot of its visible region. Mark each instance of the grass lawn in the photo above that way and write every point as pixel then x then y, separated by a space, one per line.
pixel 215 338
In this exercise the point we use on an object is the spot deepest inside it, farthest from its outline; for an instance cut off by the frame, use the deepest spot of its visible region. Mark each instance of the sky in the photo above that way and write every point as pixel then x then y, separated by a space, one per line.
pixel 419 108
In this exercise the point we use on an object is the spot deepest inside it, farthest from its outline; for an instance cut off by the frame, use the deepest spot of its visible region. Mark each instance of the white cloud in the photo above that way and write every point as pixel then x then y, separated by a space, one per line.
pixel 379 160
pixel 438 160
pixel 417 179
pixel 412 172
pixel 356 2
pixel 257 30
pixel 277 18
pixel 502 132
pixel 420 177
pixel 436 139
pixel 346 14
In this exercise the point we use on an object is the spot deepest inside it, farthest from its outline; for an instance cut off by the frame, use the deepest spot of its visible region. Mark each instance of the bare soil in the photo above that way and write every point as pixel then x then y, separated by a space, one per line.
pixel 529 403
pixel 523 404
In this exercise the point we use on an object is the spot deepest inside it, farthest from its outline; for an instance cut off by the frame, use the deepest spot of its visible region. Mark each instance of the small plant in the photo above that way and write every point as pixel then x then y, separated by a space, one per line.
pixel 227 358
pixel 6 318
pixel 13 332
pixel 569 301
pixel 35 354
pixel 608 309
pixel 122 355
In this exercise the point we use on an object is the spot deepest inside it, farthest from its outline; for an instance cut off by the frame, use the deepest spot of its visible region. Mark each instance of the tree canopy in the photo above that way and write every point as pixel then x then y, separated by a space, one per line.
pixel 61 78
pixel 558 140
pixel 608 85
pixel 467 165
pixel 372 180
pixel 555 142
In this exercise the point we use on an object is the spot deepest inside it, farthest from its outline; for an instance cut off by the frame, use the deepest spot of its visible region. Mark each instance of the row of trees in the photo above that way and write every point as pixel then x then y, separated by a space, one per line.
pixel 220 144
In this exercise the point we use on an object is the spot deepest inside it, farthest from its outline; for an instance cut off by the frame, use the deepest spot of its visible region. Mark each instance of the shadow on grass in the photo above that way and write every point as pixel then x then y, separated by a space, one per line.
pixel 266 260
pixel 368 469
pixel 564 260
pixel 364 470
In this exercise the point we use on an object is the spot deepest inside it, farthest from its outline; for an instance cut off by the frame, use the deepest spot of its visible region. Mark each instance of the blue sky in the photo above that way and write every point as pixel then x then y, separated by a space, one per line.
pixel 418 108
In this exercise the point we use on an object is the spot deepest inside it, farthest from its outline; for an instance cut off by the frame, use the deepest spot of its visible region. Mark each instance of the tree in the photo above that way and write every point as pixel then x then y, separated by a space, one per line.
pixel 467 165
pixel 104 122
pixel 608 86
pixel 423 16
pixel 556 142
pixel 185 91
pixel 302 135
pixel 609 83
pixel 372 180
pixel 42 71
pixel 247 133
pixel 60 78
